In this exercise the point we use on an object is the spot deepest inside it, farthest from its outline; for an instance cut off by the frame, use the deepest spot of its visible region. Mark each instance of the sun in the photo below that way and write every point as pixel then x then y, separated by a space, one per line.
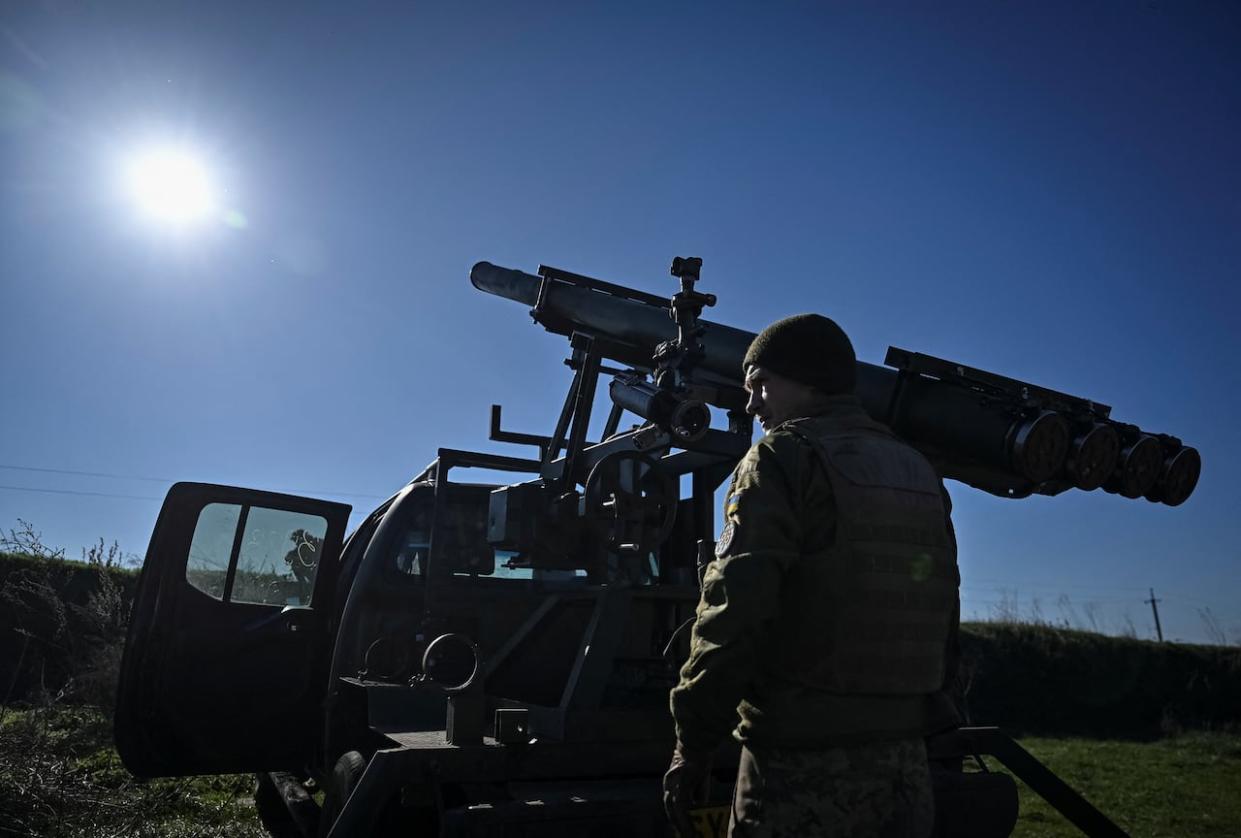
pixel 170 185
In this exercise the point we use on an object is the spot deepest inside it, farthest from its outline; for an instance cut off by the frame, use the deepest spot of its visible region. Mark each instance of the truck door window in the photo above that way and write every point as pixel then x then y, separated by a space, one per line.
pixel 211 547
pixel 276 554
pixel 503 571
pixel 414 544
pixel 411 557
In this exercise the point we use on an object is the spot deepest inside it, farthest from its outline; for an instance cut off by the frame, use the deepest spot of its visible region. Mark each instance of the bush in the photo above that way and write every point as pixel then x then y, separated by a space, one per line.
pixel 1042 680
pixel 62 626
pixel 59 775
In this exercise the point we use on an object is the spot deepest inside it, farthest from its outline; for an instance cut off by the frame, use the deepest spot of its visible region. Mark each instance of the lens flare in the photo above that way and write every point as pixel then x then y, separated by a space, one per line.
pixel 171 186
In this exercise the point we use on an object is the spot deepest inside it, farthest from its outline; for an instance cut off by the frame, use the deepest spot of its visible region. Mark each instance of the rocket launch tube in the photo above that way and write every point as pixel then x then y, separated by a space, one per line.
pixel 1002 446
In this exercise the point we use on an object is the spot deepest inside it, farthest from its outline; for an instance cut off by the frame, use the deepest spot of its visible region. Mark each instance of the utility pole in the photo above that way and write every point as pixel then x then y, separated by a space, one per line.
pixel 1155 611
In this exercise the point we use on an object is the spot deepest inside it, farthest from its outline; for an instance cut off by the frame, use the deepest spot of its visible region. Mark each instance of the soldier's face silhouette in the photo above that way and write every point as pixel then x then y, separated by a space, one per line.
pixel 774 398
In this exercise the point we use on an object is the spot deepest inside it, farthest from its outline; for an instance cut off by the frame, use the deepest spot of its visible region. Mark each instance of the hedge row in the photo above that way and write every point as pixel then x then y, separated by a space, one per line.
pixel 73 581
pixel 59 618
pixel 1042 680
pixel 62 625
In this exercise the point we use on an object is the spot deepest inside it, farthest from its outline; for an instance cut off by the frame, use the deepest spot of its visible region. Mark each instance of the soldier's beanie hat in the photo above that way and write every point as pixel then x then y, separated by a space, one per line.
pixel 808 348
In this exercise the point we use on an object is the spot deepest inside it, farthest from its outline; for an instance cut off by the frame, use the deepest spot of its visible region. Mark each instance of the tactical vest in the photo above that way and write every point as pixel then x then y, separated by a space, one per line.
pixel 871 613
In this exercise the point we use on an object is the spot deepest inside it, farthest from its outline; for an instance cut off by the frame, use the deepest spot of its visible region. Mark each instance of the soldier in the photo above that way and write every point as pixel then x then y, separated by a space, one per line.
pixel 828 618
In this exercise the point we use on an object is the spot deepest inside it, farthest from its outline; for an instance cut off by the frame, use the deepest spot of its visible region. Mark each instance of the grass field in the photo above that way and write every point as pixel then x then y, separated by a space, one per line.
pixel 60 776
pixel 1183 787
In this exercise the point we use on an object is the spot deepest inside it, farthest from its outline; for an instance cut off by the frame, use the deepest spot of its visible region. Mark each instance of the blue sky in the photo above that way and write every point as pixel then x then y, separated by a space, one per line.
pixel 1050 191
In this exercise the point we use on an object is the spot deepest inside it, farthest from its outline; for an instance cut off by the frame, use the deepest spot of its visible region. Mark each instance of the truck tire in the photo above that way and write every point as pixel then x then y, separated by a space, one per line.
pixel 340 784
pixel 272 812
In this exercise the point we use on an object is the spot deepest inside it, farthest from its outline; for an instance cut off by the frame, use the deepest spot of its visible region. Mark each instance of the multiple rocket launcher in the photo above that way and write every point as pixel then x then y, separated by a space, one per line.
pixel 1003 436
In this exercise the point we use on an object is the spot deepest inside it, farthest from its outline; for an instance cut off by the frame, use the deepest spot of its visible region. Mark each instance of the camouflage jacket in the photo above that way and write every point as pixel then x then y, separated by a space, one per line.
pixel 779 508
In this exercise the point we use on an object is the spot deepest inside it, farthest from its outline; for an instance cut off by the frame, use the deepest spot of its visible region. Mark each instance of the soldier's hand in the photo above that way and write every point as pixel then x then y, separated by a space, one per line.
pixel 683 786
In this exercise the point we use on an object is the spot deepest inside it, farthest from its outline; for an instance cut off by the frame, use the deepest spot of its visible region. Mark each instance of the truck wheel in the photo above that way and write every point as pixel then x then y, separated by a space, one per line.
pixel 271 810
pixel 344 778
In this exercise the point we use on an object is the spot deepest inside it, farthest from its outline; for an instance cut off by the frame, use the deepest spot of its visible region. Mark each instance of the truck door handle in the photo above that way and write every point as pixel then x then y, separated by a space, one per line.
pixel 292 617
pixel 296 618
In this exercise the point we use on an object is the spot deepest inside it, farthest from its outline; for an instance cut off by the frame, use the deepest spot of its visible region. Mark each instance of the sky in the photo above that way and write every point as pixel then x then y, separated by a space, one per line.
pixel 1048 191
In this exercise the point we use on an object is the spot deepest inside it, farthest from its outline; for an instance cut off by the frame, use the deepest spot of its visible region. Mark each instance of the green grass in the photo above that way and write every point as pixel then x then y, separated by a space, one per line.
pixel 1189 785
pixel 61 776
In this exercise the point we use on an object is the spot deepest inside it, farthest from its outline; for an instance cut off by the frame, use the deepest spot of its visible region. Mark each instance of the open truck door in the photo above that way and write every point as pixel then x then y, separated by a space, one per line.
pixel 226 661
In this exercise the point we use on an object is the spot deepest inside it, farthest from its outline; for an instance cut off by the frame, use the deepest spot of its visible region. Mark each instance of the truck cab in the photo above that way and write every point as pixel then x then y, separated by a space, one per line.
pixel 264 641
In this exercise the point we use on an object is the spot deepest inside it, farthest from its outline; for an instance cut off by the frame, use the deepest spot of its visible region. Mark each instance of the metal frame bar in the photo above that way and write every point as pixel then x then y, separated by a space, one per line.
pixel 614 417
pixel 566 413
pixel 499 435
pixel 583 402
pixel 596 651
pixel 972 741
pixel 523 631
pixel 234 556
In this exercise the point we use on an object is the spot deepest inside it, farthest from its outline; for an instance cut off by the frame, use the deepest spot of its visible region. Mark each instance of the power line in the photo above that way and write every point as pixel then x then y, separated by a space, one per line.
pixel 991 582
pixel 88 473
pixel 73 492
pixel 114 476
pixel 1083 595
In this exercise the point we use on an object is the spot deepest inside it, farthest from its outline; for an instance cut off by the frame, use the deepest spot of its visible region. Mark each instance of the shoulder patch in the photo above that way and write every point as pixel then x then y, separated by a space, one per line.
pixel 726 538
